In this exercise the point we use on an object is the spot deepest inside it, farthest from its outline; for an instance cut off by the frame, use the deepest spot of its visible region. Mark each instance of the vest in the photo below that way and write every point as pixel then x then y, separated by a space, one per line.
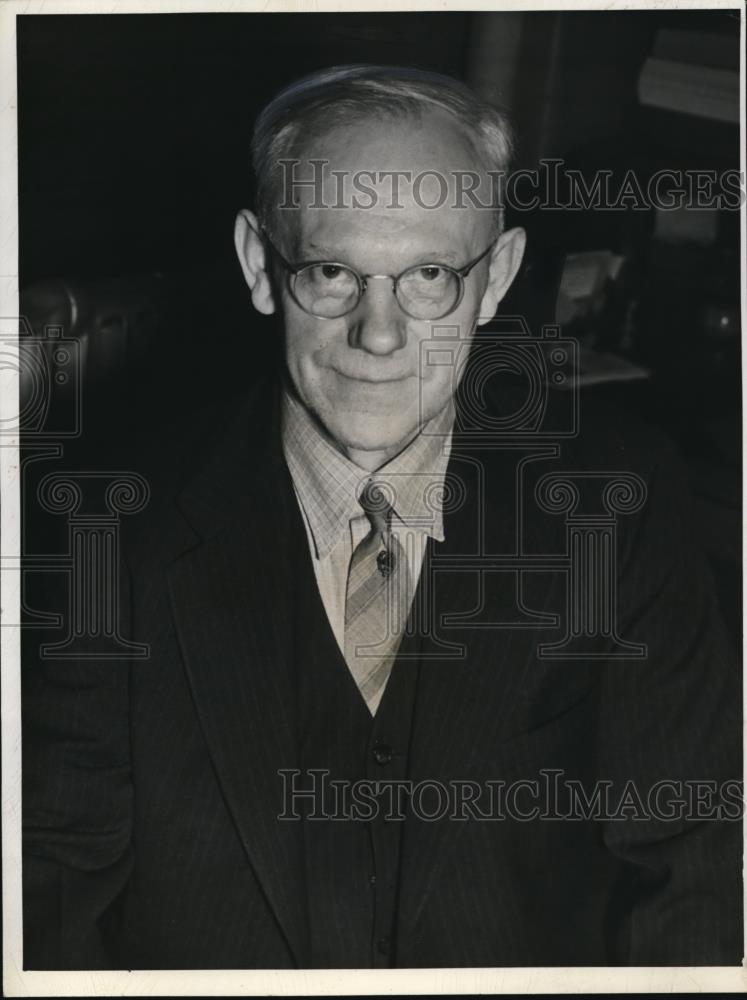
pixel 352 828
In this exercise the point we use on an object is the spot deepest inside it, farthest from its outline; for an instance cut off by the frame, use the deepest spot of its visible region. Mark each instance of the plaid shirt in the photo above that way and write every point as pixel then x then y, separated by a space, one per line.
pixel 327 485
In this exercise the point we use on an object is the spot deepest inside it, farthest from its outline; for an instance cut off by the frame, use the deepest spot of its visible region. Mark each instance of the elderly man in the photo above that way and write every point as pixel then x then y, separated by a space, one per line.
pixel 339 640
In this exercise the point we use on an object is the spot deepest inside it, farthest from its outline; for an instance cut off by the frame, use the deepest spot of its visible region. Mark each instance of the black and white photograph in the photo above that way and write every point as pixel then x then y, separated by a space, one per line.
pixel 371 456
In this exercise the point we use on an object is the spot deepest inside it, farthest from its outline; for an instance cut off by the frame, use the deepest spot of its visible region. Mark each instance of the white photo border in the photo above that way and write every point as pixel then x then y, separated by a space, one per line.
pixel 231 982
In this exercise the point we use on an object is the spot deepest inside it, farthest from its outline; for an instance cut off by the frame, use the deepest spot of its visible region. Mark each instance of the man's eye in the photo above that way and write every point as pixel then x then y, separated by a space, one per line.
pixel 325 280
pixel 430 273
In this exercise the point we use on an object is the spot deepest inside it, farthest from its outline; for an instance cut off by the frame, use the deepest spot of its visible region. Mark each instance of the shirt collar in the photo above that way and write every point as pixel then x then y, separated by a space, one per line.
pixel 327 483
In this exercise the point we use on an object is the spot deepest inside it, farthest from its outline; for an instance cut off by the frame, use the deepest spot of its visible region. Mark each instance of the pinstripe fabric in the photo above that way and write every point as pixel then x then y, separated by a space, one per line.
pixel 347 913
pixel 152 789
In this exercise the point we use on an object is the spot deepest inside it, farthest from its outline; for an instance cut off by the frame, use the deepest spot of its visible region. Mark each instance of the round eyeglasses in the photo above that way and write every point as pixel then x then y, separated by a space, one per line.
pixel 329 290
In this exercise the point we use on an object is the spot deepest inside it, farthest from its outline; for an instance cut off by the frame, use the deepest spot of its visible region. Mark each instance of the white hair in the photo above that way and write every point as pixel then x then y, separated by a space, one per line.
pixel 342 95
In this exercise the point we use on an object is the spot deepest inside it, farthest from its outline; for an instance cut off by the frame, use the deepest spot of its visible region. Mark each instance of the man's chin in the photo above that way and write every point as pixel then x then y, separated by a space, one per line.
pixel 350 438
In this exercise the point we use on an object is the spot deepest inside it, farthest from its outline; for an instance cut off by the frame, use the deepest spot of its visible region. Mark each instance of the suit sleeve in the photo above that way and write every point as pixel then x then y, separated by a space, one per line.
pixel 671 726
pixel 77 803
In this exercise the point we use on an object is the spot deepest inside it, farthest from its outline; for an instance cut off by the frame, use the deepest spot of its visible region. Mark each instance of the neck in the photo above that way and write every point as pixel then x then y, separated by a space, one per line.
pixel 370 461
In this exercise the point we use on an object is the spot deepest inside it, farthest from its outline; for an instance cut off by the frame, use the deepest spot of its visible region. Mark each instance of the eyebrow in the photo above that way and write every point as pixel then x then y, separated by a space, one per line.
pixel 428 257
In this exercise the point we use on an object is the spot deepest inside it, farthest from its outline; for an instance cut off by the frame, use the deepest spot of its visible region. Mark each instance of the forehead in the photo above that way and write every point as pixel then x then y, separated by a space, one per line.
pixel 431 139
pixel 396 181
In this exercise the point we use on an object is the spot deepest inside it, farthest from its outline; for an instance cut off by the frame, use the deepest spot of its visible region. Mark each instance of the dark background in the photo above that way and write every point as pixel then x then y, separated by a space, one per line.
pixel 134 158
pixel 134 129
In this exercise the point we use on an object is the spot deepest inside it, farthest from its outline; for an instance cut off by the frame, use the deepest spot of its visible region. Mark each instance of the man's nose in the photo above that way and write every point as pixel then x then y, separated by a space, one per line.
pixel 378 324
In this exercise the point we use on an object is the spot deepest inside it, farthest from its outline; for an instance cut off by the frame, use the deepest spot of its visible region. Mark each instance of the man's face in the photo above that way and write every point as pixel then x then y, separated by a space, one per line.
pixel 373 377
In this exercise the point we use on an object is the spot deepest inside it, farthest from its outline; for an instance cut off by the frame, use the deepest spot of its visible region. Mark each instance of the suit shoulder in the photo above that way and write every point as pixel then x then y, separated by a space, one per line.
pixel 172 454
pixel 183 450
pixel 612 438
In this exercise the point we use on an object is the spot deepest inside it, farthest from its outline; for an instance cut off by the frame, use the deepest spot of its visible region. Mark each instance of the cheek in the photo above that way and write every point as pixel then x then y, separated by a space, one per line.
pixel 444 351
pixel 306 340
pixel 436 387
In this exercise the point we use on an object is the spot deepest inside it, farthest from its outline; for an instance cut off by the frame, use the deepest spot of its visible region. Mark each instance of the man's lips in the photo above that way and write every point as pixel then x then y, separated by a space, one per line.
pixel 378 378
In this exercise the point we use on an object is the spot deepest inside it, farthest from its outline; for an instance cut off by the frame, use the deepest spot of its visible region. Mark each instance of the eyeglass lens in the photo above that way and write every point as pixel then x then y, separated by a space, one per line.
pixel 332 290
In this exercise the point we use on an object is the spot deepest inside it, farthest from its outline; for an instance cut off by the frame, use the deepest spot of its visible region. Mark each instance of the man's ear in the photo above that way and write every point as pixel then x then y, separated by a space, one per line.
pixel 505 261
pixel 252 257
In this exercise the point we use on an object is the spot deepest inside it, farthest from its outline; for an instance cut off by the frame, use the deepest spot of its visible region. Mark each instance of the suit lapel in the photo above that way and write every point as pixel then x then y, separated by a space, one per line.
pixel 462 697
pixel 232 602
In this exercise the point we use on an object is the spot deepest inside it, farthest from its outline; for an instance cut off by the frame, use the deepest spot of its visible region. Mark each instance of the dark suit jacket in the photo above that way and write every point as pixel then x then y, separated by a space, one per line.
pixel 151 788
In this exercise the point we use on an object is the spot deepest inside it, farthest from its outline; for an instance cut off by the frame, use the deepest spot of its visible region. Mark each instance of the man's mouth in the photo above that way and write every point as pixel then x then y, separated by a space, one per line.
pixel 373 378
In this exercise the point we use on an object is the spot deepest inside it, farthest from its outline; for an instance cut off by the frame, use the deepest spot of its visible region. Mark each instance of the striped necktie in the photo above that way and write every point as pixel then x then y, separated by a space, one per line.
pixel 377 599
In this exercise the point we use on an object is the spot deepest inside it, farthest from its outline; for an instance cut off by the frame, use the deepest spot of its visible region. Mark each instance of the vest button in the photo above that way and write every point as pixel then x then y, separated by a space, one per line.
pixel 383 946
pixel 382 754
